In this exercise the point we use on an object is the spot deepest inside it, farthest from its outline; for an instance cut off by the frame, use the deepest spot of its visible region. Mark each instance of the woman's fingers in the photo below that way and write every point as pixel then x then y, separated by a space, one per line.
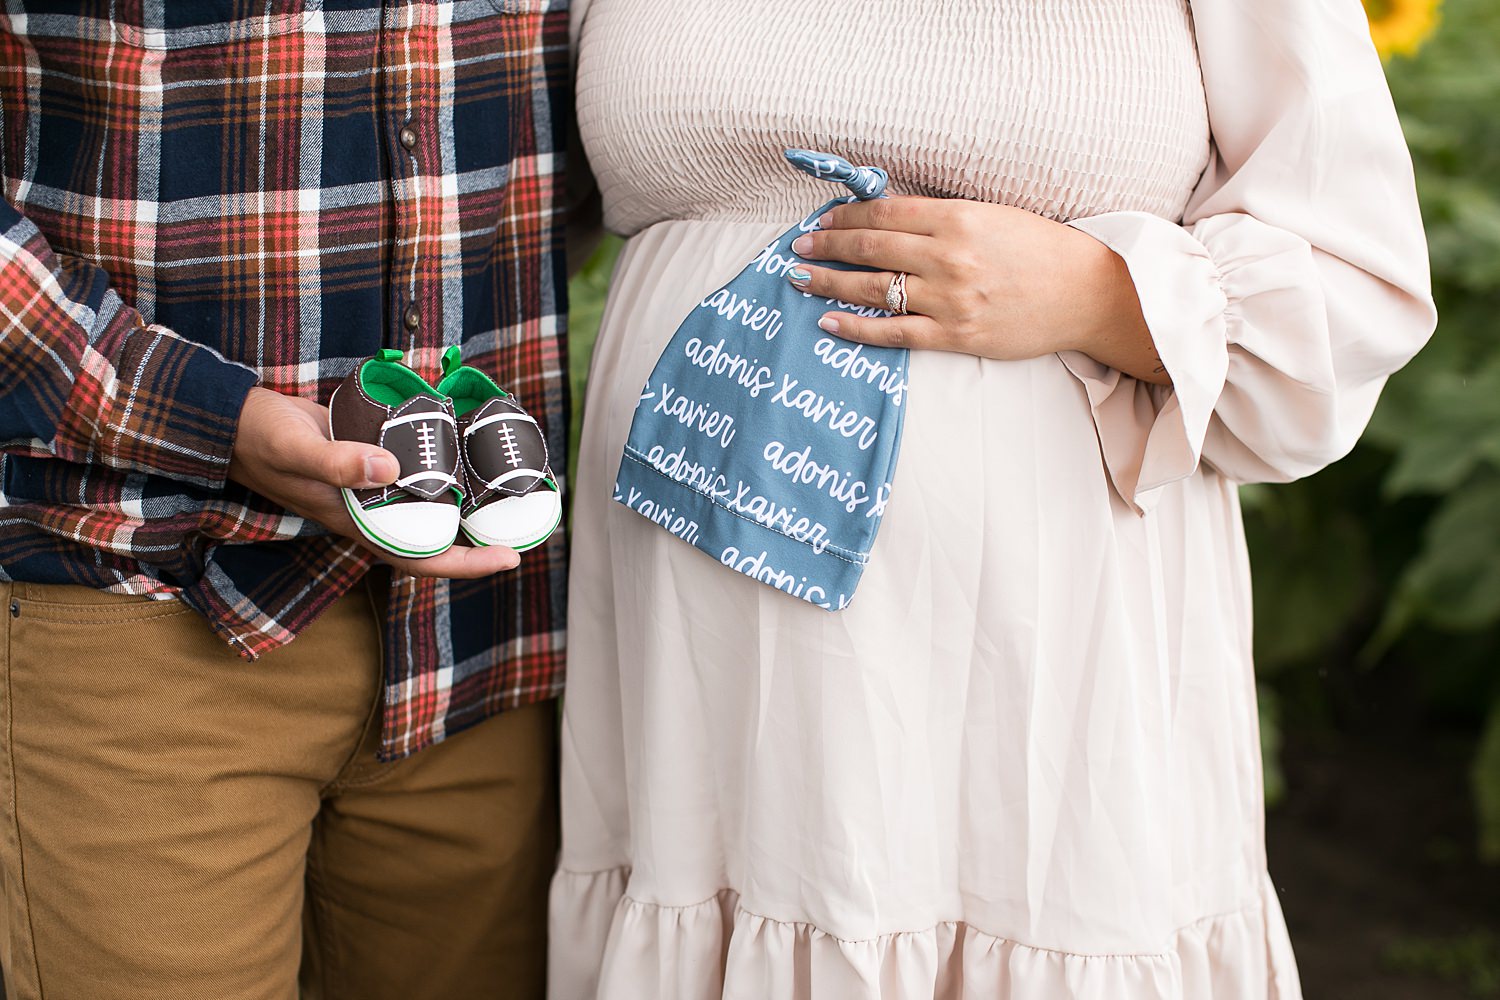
pixel 859 288
pixel 915 332
pixel 889 251
pixel 919 216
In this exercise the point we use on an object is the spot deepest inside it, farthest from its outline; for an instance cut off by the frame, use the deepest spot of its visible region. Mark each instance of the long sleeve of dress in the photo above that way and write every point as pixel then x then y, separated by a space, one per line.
pixel 1298 280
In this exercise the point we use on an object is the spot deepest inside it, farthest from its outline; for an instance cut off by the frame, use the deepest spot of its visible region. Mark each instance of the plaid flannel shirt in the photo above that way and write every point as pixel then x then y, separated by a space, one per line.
pixel 205 195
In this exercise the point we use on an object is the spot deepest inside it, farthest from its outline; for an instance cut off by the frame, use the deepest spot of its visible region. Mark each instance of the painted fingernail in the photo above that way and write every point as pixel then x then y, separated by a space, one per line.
pixel 799 275
pixel 829 323
pixel 803 245
pixel 825 221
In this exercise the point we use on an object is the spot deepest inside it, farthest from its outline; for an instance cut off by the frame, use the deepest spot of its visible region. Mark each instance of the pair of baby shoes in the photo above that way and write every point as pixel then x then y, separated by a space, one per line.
pixel 471 459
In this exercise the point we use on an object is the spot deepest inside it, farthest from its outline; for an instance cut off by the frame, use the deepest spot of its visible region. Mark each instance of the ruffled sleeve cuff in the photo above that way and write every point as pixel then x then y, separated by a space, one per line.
pixel 1151 436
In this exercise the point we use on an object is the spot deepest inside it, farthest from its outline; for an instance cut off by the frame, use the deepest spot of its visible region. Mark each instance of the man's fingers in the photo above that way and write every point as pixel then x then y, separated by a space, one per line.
pixel 462 562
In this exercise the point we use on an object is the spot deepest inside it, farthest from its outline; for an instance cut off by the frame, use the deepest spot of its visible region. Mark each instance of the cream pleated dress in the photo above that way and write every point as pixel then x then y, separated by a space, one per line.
pixel 1024 764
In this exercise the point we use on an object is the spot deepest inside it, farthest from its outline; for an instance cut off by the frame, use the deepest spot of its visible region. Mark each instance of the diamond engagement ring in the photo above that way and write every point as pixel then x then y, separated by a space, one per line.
pixel 895 294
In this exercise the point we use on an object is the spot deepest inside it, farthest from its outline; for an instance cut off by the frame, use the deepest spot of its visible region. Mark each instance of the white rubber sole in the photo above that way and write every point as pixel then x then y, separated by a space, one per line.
pixel 413 530
pixel 518 523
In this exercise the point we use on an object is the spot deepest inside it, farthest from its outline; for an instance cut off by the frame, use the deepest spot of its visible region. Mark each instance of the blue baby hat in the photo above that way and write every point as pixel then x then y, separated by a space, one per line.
pixel 764 441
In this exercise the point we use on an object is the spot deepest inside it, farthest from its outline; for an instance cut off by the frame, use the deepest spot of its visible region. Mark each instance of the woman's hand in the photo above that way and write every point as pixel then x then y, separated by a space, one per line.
pixel 984 279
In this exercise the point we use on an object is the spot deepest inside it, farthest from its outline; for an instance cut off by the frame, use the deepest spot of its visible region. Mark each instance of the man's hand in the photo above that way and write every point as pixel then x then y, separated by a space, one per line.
pixel 283 453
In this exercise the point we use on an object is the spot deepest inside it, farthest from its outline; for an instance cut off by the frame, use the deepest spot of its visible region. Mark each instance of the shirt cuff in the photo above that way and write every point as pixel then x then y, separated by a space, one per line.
pixel 174 411
pixel 1151 436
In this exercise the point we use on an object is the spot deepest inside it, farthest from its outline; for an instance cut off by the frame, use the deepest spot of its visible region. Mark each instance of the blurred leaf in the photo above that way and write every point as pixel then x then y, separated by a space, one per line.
pixel 1254 497
pixel 1464 230
pixel 1442 431
pixel 1311 573
pixel 1485 777
pixel 1455 582
pixel 1472 960
pixel 1270 744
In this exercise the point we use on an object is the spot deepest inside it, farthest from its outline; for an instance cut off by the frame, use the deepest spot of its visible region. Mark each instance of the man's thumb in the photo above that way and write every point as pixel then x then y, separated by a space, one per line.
pixel 345 463
pixel 368 467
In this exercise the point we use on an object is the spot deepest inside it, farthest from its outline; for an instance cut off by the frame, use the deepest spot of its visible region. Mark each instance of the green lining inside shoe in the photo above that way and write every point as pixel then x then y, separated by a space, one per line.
pixel 470 388
pixel 390 383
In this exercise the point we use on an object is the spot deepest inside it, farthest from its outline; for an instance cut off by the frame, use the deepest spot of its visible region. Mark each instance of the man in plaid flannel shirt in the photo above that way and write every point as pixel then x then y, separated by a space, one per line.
pixel 213 211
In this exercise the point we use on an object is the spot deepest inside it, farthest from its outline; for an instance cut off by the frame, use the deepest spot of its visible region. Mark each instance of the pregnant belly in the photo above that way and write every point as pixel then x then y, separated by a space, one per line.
pixel 1016 426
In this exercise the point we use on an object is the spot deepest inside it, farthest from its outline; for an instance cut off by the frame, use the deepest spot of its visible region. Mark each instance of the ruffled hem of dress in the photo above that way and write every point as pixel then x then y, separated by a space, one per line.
pixel 609 946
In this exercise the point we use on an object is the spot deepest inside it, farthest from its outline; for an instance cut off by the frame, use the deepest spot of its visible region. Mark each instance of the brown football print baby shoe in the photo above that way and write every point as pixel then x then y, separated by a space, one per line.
pixel 511 498
pixel 385 403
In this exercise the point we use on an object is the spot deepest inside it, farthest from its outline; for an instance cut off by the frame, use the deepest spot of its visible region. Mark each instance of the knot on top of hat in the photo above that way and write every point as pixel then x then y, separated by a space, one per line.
pixel 865 182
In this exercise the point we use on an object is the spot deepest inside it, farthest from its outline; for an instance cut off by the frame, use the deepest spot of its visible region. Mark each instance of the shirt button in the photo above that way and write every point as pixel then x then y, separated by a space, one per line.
pixel 409 137
pixel 413 318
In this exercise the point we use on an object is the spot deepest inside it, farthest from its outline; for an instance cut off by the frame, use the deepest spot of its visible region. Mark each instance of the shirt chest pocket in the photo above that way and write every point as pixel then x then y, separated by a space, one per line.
pixel 170 25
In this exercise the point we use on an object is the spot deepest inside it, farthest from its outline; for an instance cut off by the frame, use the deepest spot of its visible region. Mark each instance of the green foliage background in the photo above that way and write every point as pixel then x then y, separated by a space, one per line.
pixel 1389 560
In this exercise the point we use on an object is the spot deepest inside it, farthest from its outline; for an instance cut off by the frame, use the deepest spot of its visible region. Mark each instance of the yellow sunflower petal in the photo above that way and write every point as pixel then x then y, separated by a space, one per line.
pixel 1399 27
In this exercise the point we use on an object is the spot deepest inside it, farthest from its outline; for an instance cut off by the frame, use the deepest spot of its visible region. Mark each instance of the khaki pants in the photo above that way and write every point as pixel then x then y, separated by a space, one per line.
pixel 176 824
